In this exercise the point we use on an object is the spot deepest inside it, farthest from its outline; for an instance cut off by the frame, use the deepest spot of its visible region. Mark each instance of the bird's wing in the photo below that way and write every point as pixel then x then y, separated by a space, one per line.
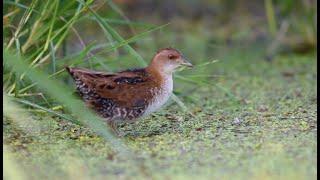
pixel 126 89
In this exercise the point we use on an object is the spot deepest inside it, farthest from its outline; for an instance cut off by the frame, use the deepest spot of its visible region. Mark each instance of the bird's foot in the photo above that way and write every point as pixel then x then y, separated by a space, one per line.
pixel 115 129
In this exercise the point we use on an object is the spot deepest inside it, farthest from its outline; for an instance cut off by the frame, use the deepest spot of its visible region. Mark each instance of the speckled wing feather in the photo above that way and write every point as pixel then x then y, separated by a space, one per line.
pixel 120 95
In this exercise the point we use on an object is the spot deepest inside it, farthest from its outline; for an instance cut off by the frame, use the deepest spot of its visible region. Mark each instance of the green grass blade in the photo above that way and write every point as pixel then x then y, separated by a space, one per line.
pixel 57 91
pixel 63 116
pixel 53 57
pixel 11 169
pixel 22 6
pixel 120 12
pixel 271 17
pixel 123 22
pixel 115 35
pixel 134 38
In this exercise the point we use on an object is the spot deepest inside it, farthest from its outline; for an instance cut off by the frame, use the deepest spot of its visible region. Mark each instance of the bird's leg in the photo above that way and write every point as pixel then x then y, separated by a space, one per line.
pixel 114 127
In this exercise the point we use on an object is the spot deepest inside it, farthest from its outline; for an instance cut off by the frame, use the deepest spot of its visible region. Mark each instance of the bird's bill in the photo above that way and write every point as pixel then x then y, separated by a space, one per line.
pixel 185 62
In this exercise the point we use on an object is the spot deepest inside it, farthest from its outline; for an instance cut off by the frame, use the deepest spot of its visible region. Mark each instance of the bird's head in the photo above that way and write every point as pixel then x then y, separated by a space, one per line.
pixel 167 60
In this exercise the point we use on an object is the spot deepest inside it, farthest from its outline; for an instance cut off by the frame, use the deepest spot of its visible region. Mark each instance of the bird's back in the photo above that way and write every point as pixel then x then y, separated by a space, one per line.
pixel 124 95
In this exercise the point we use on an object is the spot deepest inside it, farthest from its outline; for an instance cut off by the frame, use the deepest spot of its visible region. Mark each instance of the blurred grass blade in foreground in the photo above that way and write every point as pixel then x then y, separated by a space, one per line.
pixel 11 170
pixel 57 91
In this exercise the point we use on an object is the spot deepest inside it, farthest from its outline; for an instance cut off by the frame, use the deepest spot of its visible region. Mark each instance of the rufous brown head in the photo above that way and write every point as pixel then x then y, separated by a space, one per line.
pixel 169 59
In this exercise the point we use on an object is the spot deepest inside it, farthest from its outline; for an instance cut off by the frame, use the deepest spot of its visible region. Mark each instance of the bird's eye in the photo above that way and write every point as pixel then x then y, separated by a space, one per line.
pixel 171 56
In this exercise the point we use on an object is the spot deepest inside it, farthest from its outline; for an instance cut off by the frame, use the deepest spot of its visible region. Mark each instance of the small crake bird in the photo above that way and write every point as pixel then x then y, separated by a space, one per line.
pixel 128 95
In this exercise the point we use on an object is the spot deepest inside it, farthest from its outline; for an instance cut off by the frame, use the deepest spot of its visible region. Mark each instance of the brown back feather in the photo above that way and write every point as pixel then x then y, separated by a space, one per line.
pixel 127 89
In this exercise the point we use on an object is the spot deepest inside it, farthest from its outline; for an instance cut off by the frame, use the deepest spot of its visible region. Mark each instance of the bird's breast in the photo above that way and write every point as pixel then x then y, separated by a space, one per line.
pixel 160 95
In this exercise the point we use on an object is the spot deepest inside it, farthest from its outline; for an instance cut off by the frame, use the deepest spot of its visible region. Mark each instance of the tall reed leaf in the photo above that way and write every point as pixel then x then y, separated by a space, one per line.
pixel 115 35
pixel 58 91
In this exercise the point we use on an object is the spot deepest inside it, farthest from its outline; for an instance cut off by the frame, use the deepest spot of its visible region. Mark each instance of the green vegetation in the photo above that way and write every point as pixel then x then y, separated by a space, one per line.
pixel 234 116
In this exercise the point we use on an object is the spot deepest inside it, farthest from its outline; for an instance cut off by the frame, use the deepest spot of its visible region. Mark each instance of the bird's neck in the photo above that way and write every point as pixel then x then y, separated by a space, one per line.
pixel 159 73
